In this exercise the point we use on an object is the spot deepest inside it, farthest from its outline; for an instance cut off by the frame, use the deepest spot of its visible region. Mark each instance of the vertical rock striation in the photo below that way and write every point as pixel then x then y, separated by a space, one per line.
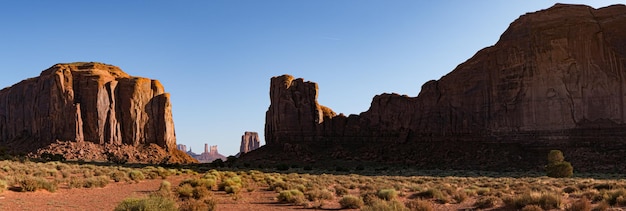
pixel 86 102
pixel 555 75
pixel 249 141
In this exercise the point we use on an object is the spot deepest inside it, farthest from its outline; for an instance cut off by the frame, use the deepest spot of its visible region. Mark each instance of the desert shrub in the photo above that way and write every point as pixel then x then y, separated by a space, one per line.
pixel 351 202
pixel 279 186
pixel 581 205
pixel 136 175
pixel 560 170
pixel 431 193
pixel 459 196
pixel 544 200
pixel 145 204
pixel 3 185
pixel 118 176
pixel 208 183
pixel 201 192
pixel 231 185
pixel 165 186
pixel 319 194
pixel 185 191
pixel 616 197
pixel 292 196
pixel 418 205
pixel 557 167
pixel 340 191
pixel 99 181
pixel 387 194
pixel 382 205
pixel 532 207
pixel 31 184
pixel 198 205
pixel 486 202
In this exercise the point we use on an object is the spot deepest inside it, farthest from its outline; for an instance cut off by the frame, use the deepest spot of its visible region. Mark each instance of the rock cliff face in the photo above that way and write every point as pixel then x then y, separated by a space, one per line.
pixel 249 141
pixel 555 79
pixel 86 102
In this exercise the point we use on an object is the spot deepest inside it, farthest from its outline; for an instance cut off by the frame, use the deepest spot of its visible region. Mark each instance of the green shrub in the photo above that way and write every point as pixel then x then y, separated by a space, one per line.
pixel 152 203
pixel 351 202
pixel 557 167
pixel 387 194
pixel 560 170
pixel 292 196
pixel 418 205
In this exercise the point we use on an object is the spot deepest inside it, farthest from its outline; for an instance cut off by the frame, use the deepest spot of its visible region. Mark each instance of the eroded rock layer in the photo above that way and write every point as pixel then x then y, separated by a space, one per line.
pixel 86 102
pixel 555 79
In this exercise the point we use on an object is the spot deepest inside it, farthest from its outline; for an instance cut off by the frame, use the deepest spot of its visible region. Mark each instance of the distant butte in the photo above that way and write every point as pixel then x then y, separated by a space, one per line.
pixel 554 80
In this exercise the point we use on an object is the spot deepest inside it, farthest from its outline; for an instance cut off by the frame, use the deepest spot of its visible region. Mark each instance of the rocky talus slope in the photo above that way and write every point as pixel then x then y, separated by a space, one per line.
pixel 89 104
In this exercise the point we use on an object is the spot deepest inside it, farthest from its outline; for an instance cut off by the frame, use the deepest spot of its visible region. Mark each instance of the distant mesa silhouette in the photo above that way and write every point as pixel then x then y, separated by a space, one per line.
pixel 210 153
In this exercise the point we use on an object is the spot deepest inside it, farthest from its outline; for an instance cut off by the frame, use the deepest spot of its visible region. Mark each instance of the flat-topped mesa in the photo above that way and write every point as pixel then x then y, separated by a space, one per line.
pixel 91 102
pixel 556 75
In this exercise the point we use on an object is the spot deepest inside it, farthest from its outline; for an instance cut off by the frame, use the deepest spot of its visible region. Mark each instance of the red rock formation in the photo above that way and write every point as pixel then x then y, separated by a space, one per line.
pixel 249 141
pixel 90 102
pixel 555 75
pixel 209 155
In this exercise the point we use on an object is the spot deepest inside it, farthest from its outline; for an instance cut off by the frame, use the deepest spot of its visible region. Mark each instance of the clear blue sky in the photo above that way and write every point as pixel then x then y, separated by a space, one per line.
pixel 216 57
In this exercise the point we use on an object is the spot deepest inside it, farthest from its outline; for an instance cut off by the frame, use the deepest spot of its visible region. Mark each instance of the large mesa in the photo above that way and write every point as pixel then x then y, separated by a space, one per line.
pixel 86 110
pixel 554 80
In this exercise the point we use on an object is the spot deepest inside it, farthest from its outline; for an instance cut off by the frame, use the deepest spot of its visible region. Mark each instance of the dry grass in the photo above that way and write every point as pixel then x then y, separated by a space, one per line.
pixel 481 190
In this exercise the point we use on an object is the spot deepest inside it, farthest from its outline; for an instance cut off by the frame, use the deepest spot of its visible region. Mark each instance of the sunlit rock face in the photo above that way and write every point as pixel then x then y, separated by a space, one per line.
pixel 556 75
pixel 86 102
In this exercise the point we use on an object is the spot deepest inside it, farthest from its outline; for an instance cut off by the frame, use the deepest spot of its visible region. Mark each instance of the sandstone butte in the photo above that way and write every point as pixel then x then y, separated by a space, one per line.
pixel 249 141
pixel 556 79
pixel 88 110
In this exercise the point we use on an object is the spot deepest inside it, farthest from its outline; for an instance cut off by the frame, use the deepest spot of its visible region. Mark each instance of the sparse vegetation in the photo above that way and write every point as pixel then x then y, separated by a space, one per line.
pixel 313 189
pixel 150 203
pixel 351 202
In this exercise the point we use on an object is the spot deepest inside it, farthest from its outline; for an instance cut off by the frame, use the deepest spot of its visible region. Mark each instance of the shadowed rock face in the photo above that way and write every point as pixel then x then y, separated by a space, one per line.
pixel 556 75
pixel 90 102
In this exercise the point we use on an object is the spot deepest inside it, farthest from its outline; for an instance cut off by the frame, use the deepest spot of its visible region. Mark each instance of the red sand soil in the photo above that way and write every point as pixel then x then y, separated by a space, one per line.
pixel 109 197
